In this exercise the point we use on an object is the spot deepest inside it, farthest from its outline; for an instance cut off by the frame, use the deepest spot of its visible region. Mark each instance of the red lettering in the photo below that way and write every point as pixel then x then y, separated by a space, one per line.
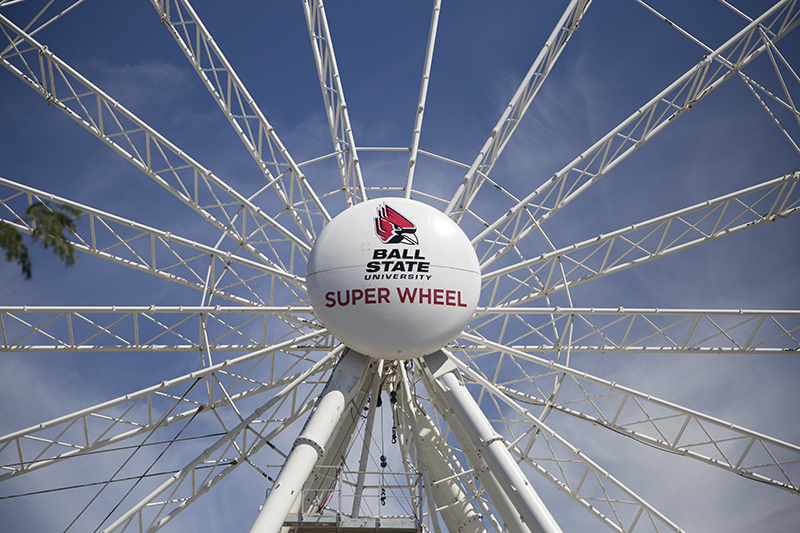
pixel 438 296
pixel 460 304
pixel 427 296
pixel 369 295
pixel 357 295
pixel 407 294
pixel 330 302
pixel 450 298
pixel 383 295
pixel 339 298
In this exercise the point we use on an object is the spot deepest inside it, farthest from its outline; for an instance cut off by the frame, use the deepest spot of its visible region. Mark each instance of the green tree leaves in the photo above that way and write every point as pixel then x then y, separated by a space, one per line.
pixel 49 225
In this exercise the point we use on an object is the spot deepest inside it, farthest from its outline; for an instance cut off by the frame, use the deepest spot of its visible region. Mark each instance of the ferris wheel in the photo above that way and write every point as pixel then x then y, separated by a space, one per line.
pixel 536 274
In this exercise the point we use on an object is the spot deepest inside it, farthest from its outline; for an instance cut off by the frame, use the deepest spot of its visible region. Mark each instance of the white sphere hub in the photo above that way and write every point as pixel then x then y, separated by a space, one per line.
pixel 393 278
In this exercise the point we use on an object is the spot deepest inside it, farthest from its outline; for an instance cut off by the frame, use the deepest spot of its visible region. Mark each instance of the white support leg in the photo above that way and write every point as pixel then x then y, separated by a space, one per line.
pixel 455 506
pixel 362 464
pixel 471 425
pixel 511 517
pixel 310 445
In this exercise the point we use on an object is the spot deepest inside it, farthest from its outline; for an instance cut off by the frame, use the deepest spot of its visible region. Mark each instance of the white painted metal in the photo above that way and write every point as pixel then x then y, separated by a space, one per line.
pixel 500 353
pixel 423 96
pixel 516 108
pixel 153 154
pixel 647 240
pixel 344 144
pixel 489 446
pixel 310 445
pixel 618 330
pixel 650 119
pixel 363 464
pixel 745 461
pixel 247 119
pixel 452 501
pixel 633 499
pixel 134 514
pixel 147 250
pixel 393 278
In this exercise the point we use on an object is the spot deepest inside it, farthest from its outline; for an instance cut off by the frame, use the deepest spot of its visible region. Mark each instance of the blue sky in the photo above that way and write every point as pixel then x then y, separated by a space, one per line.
pixel 620 57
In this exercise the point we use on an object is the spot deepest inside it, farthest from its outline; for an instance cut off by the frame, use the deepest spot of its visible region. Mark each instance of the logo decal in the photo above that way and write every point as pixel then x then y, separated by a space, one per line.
pixel 393 228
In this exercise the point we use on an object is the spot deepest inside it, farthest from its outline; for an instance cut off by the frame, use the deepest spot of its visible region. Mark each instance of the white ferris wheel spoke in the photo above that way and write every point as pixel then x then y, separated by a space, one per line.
pixel 242 112
pixel 482 444
pixel 150 328
pixel 185 486
pixel 423 96
pixel 344 144
pixel 622 330
pixel 146 149
pixel 649 420
pixel 585 481
pixel 681 96
pixel 515 110
pixel 150 250
pixel 453 490
pixel 144 411
pixel 645 241
pixel 752 85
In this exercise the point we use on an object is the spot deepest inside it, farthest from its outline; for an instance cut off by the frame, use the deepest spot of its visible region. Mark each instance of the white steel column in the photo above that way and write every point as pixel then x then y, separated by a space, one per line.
pixel 453 503
pixel 512 520
pixel 363 462
pixel 488 445
pixel 310 445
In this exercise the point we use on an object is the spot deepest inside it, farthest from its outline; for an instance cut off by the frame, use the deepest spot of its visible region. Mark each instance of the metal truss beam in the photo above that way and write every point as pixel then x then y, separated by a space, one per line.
pixel 344 144
pixel 335 402
pixel 319 487
pixel 527 215
pixel 483 445
pixel 40 15
pixel 645 241
pixel 593 487
pixel 621 330
pixel 148 329
pixel 195 186
pixel 441 472
pixel 410 408
pixel 242 112
pixel 138 413
pixel 516 108
pixel 188 484
pixel 652 420
pixel 751 84
pixel 423 96
pixel 154 251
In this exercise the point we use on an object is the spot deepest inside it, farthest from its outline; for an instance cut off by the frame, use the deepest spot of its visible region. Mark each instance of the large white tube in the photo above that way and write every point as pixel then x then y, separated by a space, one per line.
pixel 310 445
pixel 455 506
pixel 491 448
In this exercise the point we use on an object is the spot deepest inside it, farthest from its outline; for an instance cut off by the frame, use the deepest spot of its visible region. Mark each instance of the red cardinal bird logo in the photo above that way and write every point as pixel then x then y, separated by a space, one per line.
pixel 394 228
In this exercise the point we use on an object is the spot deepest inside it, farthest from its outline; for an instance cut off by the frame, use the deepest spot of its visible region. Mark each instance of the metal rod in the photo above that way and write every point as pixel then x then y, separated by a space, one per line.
pixel 490 447
pixel 310 445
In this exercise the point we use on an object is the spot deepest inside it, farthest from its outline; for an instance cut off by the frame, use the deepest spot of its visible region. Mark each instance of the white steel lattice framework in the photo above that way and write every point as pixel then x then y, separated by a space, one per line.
pixel 634 339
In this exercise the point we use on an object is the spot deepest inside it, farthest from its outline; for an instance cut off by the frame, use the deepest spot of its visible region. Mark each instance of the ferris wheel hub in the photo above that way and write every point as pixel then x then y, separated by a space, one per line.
pixel 393 278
